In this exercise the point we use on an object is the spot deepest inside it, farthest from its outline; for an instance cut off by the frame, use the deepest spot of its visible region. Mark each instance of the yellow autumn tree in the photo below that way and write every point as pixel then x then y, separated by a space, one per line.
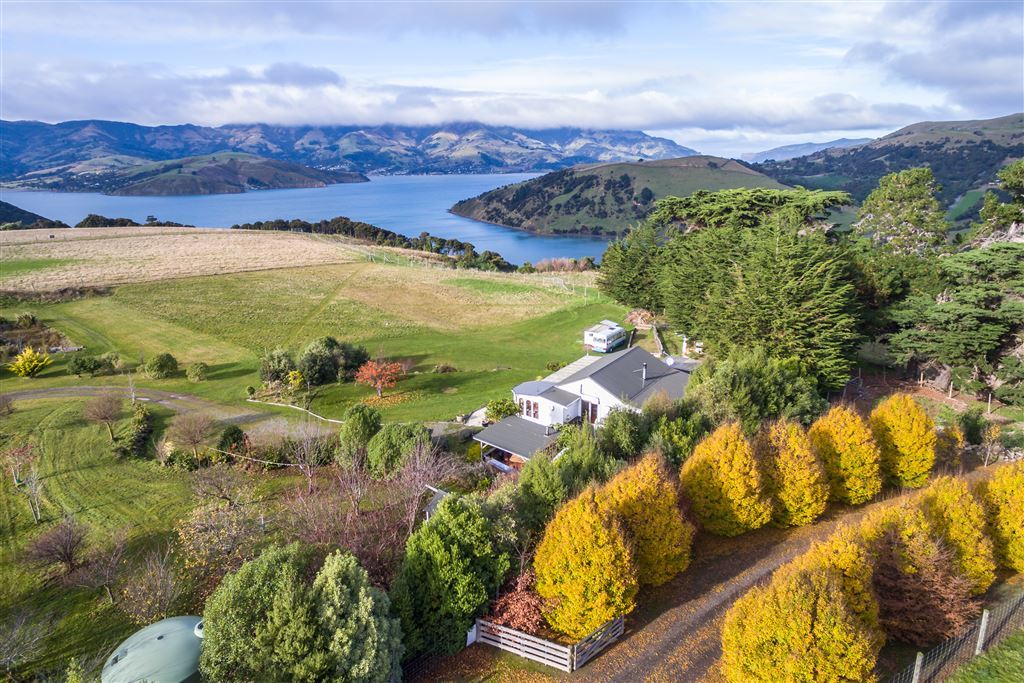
pixel 906 440
pixel 949 446
pixel 646 501
pixel 584 567
pixel 958 518
pixel 29 362
pixel 1003 496
pixel 794 477
pixel 724 485
pixel 843 442
pixel 800 627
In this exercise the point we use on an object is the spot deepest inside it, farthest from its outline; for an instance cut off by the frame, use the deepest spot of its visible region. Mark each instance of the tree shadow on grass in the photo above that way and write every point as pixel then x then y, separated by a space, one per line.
pixel 228 371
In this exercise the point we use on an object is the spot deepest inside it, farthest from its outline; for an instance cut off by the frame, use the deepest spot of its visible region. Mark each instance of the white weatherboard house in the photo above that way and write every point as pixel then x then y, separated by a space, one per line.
pixel 585 390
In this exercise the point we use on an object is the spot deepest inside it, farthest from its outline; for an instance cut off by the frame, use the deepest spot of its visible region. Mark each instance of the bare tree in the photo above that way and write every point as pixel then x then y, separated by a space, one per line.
pixel 150 593
pixel 18 458
pixel 990 444
pixel 425 466
pixel 103 568
pixel 105 409
pixel 130 379
pixel 62 544
pixel 6 404
pixel 192 429
pixel 306 452
pixel 220 482
pixel 32 487
pixel 22 636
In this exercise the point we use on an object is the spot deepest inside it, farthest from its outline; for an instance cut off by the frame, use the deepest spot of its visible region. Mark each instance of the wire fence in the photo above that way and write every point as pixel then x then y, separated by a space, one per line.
pixel 940 662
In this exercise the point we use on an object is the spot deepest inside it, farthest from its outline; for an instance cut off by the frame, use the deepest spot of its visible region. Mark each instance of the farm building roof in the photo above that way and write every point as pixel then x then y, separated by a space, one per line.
pixel 517 436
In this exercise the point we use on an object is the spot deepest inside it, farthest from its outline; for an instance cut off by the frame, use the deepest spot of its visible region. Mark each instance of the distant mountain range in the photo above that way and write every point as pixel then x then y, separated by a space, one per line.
pixel 224 173
pixel 604 199
pixel 963 155
pixel 30 146
pixel 802 149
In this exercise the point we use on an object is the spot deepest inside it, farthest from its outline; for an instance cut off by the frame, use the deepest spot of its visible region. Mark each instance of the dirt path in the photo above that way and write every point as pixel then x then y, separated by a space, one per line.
pixel 176 401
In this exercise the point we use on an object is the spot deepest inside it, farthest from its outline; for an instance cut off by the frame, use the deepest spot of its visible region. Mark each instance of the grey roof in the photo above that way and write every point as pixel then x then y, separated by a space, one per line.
pixel 517 435
pixel 532 388
pixel 546 390
pixel 164 652
pixel 620 374
pixel 560 396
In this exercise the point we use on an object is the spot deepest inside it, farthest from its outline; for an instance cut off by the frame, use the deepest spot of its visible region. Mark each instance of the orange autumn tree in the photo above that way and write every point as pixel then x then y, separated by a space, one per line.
pixel 724 484
pixel 645 498
pixel 794 477
pixel 843 442
pixel 379 374
pixel 584 567
pixel 906 439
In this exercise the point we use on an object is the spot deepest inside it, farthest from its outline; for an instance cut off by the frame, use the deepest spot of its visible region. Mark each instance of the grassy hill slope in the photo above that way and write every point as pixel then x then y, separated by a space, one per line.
pixel 221 173
pixel 605 198
pixel 964 155
pixel 9 213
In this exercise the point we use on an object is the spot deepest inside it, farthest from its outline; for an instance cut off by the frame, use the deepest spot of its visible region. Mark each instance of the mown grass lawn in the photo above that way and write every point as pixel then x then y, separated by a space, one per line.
pixel 495 330
pixel 82 477
pixel 1002 664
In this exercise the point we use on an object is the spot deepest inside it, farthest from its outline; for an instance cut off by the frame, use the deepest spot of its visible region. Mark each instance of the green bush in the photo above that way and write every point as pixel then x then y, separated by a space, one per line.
pixel 500 408
pixel 361 423
pixel 622 434
pixel 231 438
pixel 134 441
pixel 197 372
pixel 275 365
pixel 161 366
pixel 388 449
pixel 84 364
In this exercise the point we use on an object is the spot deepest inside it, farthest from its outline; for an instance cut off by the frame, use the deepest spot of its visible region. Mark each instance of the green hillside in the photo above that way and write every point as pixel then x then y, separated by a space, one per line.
pixel 9 214
pixel 221 173
pixel 963 155
pixel 604 199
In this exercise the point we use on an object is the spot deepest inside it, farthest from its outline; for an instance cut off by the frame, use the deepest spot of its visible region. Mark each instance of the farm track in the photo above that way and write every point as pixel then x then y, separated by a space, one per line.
pixel 319 308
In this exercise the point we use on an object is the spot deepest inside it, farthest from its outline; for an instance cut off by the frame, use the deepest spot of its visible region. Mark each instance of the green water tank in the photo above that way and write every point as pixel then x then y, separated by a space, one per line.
pixel 164 652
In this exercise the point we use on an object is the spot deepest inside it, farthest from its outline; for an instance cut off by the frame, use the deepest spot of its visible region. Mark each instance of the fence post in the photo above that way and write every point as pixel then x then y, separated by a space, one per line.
pixel 981 633
pixel 918 662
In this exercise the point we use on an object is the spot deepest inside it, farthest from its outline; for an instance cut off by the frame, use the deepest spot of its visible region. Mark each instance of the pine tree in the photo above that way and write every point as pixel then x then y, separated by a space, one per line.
pixel 1004 505
pixel 902 213
pixel 541 490
pixel 722 481
pixel 794 477
pixel 958 518
pixel 906 440
pixel 645 499
pixel 843 442
pixel 800 627
pixel 629 269
pixel 585 568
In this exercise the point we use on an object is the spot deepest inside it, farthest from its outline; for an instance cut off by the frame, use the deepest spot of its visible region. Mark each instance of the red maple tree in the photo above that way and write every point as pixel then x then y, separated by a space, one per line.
pixel 379 374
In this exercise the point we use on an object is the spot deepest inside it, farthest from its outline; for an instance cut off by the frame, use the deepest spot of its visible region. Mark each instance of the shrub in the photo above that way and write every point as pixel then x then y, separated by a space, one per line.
pixel 232 439
pixel 152 592
pixel 161 366
pixel 275 366
pixel 390 446
pixel 26 320
pixel 622 434
pixel 906 440
pixel 62 544
pixel 1005 511
pixel 444 368
pixel 327 360
pixel 794 477
pixel 676 437
pixel 452 568
pixel 541 490
pixel 645 499
pixel 584 567
pixel 798 628
pixel 83 364
pixel 958 518
pixel 972 422
pixel 134 440
pixel 500 408
pixel 722 481
pixel 197 372
pixel 29 362
pixel 583 460
pixel 360 424
pixel 843 442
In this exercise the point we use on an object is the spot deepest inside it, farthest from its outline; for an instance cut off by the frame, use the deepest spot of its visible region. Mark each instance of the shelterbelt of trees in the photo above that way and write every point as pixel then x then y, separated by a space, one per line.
pixel 761 267
pixel 464 254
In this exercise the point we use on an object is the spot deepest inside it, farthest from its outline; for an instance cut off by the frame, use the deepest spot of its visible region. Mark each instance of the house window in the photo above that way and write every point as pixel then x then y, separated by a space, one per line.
pixel 536 410
pixel 522 409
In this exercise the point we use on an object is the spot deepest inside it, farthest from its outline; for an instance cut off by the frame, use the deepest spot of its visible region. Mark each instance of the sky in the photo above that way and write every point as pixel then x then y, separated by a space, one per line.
pixel 721 77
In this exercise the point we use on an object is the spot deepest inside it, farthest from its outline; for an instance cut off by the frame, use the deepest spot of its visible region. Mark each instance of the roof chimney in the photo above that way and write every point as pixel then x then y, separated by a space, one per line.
pixel 643 375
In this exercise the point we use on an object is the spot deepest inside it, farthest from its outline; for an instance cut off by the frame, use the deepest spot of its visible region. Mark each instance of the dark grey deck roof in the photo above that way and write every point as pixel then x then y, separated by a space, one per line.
pixel 517 435
pixel 620 374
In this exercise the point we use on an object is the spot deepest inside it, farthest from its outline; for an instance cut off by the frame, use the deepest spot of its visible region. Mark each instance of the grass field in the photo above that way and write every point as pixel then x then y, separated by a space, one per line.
pixel 81 477
pixel 497 330
pixel 964 205
pixel 18 267
pixel 1002 664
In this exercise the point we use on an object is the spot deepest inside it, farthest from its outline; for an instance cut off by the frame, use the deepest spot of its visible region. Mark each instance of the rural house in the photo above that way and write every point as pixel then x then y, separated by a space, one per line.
pixel 587 389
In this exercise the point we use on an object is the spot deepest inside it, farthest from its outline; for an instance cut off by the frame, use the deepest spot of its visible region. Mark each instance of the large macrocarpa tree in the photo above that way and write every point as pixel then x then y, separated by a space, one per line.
pixel 906 440
pixel 724 484
pixel 585 568
pixel 902 214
